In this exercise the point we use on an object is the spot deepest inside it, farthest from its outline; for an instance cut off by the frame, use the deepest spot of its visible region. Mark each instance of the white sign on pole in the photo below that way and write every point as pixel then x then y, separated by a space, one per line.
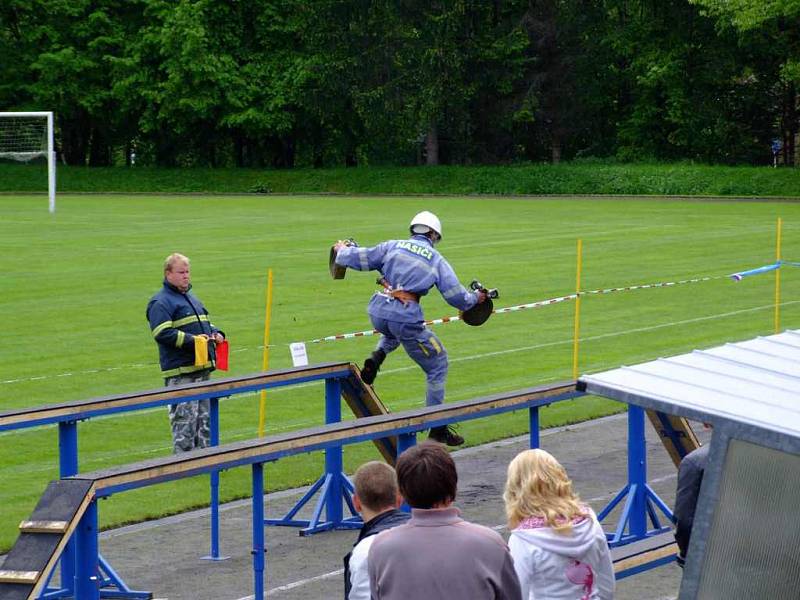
pixel 299 354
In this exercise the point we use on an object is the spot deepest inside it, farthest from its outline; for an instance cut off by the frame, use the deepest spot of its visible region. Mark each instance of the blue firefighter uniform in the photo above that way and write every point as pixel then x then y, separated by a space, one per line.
pixel 412 266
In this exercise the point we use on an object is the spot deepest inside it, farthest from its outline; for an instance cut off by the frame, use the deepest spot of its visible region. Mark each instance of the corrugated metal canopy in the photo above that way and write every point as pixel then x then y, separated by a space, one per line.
pixel 756 382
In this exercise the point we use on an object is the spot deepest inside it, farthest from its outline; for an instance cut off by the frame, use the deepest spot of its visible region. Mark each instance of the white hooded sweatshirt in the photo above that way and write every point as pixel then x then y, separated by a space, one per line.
pixel 560 566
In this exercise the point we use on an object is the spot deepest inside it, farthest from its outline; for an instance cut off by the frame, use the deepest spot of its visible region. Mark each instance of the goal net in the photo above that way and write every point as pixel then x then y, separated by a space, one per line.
pixel 25 136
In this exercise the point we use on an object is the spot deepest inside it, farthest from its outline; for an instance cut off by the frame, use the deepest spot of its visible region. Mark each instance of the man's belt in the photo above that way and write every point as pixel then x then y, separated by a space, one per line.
pixel 403 295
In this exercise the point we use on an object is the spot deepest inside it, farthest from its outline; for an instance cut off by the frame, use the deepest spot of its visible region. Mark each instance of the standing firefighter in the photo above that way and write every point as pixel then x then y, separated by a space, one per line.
pixel 186 337
pixel 409 269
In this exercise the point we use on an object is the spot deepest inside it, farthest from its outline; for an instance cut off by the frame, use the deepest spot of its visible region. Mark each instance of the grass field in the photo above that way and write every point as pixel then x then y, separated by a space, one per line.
pixel 75 285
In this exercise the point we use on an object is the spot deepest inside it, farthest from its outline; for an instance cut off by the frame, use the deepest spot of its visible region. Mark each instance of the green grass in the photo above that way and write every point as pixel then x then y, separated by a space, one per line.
pixel 75 285
pixel 566 178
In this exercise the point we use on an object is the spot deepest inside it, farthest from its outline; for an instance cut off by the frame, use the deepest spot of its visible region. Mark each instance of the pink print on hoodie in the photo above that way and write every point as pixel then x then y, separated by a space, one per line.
pixel 560 566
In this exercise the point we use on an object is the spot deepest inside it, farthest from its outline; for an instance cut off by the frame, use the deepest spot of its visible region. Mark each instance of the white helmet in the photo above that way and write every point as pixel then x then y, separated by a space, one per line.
pixel 424 222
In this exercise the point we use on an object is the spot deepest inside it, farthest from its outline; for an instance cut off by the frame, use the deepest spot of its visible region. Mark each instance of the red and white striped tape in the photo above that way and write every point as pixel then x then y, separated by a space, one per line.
pixel 539 304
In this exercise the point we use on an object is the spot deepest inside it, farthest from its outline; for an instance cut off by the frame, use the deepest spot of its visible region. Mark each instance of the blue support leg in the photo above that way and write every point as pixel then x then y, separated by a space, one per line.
pixel 112 585
pixel 611 505
pixel 333 456
pixel 637 472
pixel 213 421
pixel 619 537
pixel 533 424
pixel 655 499
pixel 639 497
pixel 347 494
pixel 67 466
pixel 316 524
pixel 87 581
pixel 404 442
pixel 258 531
pixel 334 487
pixel 651 511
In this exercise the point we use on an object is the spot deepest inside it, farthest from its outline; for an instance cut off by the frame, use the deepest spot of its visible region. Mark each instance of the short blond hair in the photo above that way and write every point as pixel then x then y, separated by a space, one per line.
pixel 538 486
pixel 173 259
pixel 375 484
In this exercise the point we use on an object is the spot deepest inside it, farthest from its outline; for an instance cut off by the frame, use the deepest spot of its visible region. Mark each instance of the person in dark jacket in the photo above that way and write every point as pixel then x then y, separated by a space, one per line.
pixel 377 498
pixel 690 477
pixel 180 326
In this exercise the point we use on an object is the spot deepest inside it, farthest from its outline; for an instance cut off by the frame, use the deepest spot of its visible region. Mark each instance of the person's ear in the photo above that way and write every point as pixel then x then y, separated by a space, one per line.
pixel 356 502
pixel 398 500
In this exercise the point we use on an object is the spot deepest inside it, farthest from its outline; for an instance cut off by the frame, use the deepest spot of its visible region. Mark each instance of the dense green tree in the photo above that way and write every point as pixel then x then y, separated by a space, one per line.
pixel 564 103
pixel 688 93
pixel 779 20
pixel 288 83
pixel 56 54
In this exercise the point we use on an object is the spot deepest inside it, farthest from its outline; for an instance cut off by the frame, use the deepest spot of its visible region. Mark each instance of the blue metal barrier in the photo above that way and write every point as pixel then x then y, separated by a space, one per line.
pixel 334 487
pixel 67 416
pixel 255 453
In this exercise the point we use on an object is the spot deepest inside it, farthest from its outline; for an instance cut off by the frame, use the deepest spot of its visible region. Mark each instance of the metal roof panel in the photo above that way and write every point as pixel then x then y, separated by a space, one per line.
pixel 756 382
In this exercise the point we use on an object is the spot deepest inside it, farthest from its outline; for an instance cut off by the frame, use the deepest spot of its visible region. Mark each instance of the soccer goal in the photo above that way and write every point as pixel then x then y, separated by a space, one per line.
pixel 25 136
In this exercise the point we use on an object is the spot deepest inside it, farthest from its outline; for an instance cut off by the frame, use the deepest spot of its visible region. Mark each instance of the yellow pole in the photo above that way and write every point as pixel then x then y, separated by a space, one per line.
pixel 262 408
pixel 576 334
pixel 778 279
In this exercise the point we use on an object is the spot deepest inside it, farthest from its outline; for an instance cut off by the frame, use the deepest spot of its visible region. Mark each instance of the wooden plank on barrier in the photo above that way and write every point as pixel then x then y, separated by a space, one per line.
pixel 28 577
pixel 35 553
pixel 235 454
pixel 675 433
pixel 363 401
pixel 643 555
pixel 218 387
pixel 43 526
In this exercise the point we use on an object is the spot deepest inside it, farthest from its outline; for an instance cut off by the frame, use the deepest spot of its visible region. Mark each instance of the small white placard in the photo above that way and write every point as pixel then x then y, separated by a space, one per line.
pixel 299 354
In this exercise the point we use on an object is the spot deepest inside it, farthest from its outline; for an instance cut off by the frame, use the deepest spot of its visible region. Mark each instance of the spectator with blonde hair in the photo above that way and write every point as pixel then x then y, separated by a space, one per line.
pixel 559 549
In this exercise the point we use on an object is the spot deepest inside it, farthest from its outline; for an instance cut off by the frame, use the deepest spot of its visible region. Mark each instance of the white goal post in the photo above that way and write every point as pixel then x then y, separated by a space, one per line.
pixel 28 135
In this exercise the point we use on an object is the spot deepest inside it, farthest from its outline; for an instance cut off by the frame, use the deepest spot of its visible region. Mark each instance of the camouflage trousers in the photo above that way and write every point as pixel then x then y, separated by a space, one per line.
pixel 189 420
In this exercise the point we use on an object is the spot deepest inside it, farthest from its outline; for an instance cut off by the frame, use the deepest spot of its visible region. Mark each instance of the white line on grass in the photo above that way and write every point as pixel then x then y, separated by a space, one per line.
pixel 473 357
pixel 459 359
pixel 621 333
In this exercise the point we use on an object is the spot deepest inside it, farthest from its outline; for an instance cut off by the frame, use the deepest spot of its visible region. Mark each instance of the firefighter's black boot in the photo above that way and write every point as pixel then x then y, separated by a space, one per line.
pixel 446 434
pixel 372 365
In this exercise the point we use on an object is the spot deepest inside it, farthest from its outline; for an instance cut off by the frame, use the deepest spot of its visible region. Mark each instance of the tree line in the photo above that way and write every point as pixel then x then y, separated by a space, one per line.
pixel 287 83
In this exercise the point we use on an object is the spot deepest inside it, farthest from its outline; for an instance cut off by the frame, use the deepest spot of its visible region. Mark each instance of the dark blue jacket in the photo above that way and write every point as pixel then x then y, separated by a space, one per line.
pixel 175 319
pixel 385 520
pixel 690 478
